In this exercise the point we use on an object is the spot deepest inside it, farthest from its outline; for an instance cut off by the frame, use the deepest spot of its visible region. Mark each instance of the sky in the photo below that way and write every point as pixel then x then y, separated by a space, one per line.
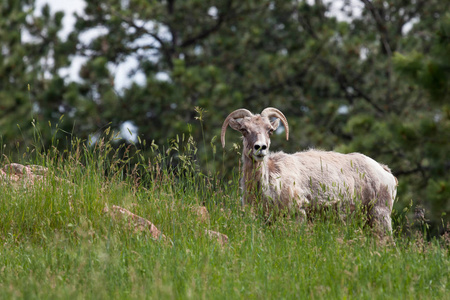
pixel 67 6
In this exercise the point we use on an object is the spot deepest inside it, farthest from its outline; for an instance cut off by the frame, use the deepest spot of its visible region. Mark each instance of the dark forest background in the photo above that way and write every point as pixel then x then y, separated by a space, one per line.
pixel 376 83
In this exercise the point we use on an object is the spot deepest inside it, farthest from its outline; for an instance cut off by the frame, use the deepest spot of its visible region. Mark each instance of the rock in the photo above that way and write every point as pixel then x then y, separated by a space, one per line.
pixel 16 169
pixel 139 223
pixel 16 174
pixel 221 238
pixel 202 213
pixel 3 175
pixel 37 170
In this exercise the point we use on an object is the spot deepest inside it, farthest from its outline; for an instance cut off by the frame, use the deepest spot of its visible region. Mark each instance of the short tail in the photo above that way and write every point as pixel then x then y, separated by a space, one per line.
pixel 386 168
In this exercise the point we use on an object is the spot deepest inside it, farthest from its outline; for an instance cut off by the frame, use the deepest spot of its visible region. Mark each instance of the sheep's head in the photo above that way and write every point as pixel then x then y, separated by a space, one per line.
pixel 256 130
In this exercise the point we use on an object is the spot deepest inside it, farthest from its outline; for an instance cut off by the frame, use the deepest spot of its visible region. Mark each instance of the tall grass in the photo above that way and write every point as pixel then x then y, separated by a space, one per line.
pixel 56 241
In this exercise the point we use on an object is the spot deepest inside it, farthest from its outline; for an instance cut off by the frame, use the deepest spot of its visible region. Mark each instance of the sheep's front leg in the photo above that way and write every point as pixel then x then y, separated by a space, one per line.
pixel 301 204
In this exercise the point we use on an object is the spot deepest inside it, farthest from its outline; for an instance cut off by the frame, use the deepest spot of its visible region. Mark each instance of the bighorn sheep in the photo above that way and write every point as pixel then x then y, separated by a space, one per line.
pixel 311 179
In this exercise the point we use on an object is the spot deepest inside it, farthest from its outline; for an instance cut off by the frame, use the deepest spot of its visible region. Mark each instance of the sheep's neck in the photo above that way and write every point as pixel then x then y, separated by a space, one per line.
pixel 252 177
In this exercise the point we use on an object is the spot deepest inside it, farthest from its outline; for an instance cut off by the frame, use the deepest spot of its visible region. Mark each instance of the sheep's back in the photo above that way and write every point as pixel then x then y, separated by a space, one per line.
pixel 328 176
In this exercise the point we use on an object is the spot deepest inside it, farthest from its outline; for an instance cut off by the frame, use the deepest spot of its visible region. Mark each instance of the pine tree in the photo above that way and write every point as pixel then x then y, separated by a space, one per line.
pixel 31 89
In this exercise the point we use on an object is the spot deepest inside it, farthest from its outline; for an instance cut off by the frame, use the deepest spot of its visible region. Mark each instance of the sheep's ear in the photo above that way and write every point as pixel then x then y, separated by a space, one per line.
pixel 235 124
pixel 275 124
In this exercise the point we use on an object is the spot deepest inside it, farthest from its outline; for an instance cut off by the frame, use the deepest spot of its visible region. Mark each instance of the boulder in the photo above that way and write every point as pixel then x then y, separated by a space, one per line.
pixel 221 238
pixel 135 221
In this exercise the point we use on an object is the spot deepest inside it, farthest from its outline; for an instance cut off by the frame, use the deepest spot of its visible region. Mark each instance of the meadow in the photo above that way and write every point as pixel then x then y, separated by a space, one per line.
pixel 58 242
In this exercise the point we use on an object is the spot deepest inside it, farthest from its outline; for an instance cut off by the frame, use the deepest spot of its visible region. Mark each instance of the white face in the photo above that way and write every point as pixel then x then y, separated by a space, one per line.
pixel 256 131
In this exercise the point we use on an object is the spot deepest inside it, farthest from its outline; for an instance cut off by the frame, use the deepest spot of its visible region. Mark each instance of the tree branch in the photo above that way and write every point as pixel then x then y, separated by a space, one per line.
pixel 380 26
pixel 384 35
pixel 164 47
pixel 297 78
pixel 345 84
pixel 341 78
pixel 221 18
pixel 410 15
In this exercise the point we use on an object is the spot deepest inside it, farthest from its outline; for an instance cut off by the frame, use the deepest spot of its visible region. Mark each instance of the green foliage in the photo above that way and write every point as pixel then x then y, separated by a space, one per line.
pixel 430 70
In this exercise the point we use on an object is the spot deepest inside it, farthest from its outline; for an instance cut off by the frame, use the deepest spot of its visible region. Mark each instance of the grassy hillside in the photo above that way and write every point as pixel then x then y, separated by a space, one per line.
pixel 57 241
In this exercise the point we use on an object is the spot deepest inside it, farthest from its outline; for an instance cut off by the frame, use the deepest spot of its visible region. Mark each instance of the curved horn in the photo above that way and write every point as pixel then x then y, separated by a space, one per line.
pixel 237 114
pixel 273 112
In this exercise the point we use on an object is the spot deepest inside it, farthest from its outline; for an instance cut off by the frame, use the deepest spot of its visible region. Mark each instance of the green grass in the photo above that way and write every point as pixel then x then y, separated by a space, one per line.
pixel 57 243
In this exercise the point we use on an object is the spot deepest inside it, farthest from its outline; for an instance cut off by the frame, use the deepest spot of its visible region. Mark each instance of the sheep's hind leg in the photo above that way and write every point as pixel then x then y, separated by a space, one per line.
pixel 301 216
pixel 382 220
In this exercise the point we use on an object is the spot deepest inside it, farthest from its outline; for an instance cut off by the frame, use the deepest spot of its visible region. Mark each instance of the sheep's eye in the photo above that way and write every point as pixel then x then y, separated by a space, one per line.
pixel 270 131
pixel 244 131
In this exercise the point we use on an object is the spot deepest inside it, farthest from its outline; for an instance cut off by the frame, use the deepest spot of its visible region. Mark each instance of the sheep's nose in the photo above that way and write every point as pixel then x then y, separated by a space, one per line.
pixel 260 147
